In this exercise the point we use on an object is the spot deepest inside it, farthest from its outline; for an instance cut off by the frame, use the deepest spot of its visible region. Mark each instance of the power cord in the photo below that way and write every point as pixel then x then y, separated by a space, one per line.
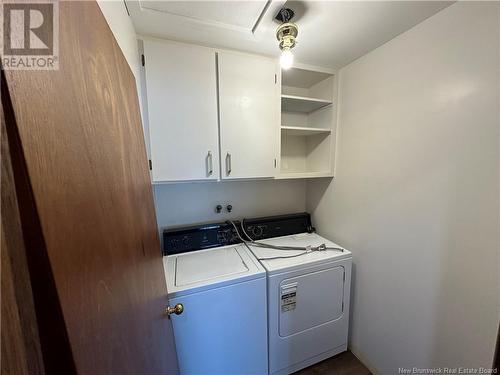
pixel 305 250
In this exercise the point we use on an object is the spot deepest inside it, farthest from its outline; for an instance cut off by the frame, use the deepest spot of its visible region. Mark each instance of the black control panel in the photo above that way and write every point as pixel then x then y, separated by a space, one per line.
pixel 276 226
pixel 198 237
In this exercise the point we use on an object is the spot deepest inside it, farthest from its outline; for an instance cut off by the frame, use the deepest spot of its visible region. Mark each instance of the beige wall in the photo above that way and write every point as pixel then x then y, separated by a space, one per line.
pixel 416 193
pixel 188 203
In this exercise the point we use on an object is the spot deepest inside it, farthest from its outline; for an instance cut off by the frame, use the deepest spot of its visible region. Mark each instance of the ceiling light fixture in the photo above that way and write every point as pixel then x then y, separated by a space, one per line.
pixel 286 34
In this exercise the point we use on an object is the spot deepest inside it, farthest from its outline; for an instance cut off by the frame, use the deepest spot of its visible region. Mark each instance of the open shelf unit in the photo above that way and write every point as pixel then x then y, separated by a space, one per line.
pixel 308 123
pixel 295 103
pixel 289 176
pixel 303 131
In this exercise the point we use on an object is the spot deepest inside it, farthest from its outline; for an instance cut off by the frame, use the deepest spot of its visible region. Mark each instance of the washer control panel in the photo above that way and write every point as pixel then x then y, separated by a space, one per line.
pixel 204 236
pixel 198 237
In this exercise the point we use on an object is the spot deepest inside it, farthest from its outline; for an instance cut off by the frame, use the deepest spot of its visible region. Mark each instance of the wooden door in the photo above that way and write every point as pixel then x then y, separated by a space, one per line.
pixel 182 106
pixel 21 348
pixel 86 206
pixel 249 115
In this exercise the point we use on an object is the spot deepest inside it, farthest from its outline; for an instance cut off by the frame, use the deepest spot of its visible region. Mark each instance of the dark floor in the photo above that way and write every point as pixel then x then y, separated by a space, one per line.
pixel 343 364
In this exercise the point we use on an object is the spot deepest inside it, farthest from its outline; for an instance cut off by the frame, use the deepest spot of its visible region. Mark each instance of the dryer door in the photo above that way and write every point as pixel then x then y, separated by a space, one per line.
pixel 310 300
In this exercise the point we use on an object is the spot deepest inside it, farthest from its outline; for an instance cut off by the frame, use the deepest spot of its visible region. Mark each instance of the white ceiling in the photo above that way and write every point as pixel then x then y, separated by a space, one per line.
pixel 237 14
pixel 331 33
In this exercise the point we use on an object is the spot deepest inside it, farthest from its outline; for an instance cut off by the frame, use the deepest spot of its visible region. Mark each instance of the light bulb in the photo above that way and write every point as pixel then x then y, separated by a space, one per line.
pixel 286 59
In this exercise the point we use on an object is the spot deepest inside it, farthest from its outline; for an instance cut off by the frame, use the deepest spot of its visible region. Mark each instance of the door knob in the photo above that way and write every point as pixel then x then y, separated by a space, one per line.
pixel 177 309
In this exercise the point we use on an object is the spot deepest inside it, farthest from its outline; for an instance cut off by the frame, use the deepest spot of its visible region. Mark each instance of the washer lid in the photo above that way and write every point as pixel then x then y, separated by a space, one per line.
pixel 201 270
pixel 203 266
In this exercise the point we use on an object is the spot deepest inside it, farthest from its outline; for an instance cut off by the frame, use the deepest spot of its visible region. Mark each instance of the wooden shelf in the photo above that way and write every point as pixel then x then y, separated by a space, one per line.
pixel 292 175
pixel 303 130
pixel 293 103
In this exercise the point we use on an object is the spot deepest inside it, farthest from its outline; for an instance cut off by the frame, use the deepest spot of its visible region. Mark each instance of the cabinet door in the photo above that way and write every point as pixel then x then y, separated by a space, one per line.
pixel 249 115
pixel 182 104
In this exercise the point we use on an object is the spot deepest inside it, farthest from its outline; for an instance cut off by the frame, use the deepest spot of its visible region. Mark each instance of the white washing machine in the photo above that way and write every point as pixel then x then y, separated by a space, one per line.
pixel 308 293
pixel 223 326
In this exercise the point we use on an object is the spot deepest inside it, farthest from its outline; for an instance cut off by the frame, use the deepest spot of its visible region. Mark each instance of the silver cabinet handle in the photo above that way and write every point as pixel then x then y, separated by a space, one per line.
pixel 228 164
pixel 210 163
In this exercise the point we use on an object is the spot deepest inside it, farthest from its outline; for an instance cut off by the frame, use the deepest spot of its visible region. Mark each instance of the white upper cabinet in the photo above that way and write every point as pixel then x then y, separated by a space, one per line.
pixel 222 115
pixel 249 102
pixel 182 104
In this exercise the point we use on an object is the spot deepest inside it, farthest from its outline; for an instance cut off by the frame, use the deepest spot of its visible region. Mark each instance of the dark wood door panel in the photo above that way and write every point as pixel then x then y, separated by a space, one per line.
pixel 21 351
pixel 82 140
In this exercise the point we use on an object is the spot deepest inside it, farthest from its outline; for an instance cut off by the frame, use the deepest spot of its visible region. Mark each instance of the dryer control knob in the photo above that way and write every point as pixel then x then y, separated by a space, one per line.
pixel 258 231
